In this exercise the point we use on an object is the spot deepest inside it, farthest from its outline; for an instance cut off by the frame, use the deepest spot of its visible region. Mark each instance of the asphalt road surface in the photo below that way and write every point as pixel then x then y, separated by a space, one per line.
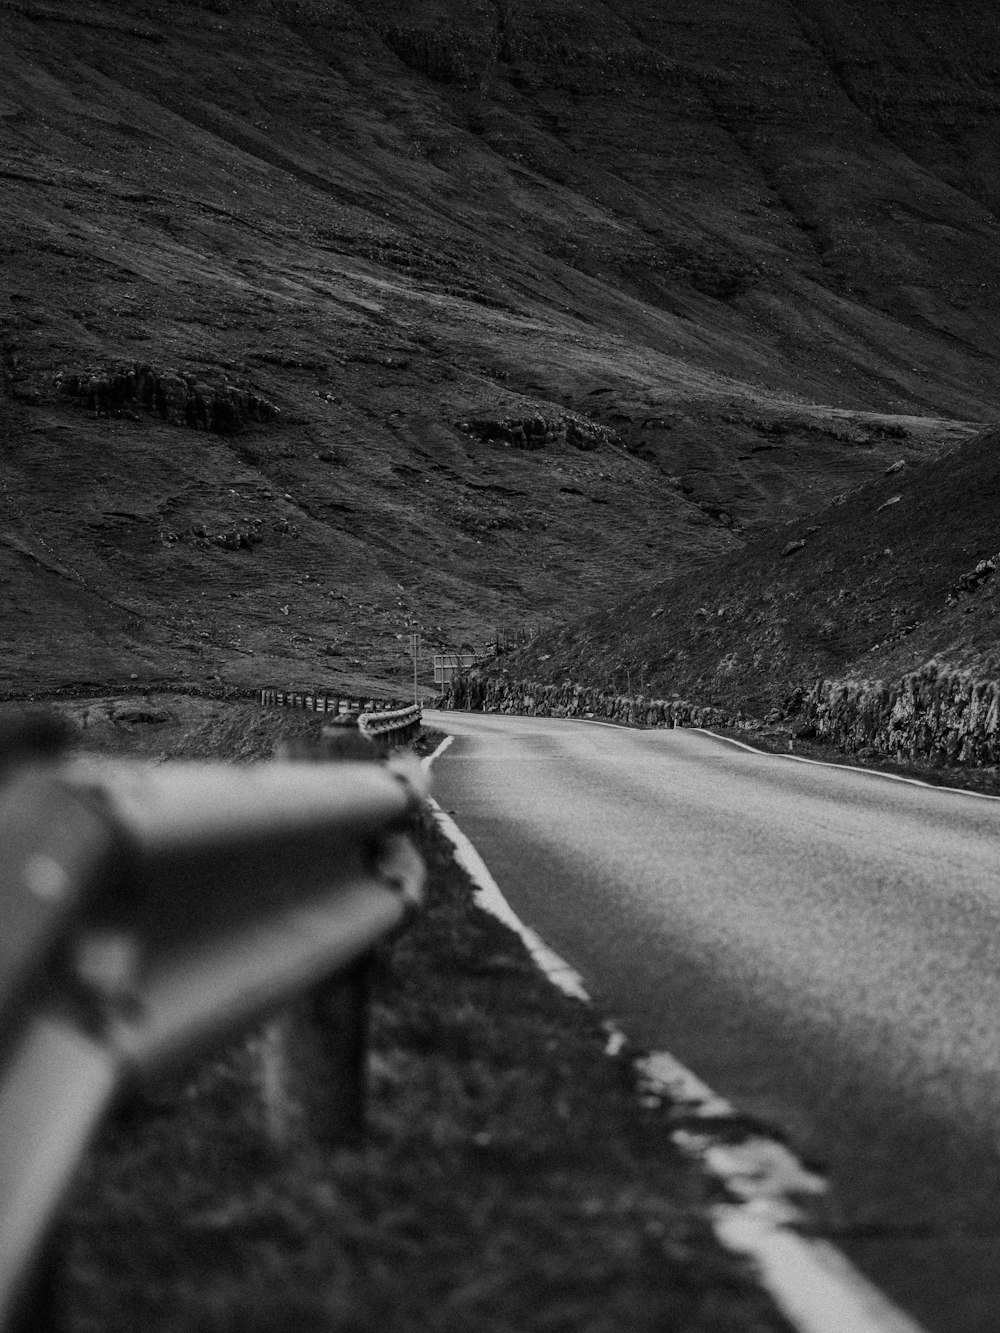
pixel 819 944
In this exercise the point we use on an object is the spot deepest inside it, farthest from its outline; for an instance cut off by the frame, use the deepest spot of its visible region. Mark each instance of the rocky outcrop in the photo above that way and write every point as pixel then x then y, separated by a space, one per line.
pixel 974 579
pixel 539 432
pixel 127 390
pixel 498 694
pixel 932 714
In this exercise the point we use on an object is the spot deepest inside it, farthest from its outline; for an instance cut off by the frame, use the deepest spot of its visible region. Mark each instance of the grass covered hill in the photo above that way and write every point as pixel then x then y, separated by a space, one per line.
pixel 321 321
pixel 887 576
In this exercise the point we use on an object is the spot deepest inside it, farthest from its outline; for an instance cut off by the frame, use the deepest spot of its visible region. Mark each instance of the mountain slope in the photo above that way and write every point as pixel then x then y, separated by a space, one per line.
pixel 896 572
pixel 548 300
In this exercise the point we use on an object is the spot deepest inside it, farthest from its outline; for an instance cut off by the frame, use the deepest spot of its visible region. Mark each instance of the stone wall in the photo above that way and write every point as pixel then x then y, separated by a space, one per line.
pixel 932 714
pixel 496 694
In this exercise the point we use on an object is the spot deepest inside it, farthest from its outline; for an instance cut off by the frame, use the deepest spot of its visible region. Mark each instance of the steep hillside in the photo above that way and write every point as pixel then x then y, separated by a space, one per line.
pixel 321 320
pixel 898 571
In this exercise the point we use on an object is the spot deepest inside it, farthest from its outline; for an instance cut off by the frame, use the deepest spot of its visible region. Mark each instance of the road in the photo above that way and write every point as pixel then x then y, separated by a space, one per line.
pixel 819 944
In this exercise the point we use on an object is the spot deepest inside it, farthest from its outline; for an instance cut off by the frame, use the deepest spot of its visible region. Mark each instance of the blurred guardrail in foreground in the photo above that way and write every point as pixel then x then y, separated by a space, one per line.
pixel 149 910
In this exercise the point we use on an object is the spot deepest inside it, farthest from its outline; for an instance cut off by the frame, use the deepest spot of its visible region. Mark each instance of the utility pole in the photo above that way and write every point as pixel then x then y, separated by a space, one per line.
pixel 415 650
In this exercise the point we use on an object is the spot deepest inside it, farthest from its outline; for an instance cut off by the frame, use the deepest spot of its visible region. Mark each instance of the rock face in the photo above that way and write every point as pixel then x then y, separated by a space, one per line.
pixel 180 399
pixel 975 578
pixel 539 432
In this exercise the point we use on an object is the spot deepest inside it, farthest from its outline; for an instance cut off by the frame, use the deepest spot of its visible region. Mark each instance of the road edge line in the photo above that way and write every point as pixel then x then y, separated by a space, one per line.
pixel 816 1287
pixel 428 760
pixel 488 896
pixel 813 1285
pixel 769 754
pixel 850 768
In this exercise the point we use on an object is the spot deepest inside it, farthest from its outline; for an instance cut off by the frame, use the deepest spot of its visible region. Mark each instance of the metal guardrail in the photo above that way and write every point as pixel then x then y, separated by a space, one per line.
pixel 323 701
pixel 149 910
pixel 372 719
pixel 398 722
pixel 317 700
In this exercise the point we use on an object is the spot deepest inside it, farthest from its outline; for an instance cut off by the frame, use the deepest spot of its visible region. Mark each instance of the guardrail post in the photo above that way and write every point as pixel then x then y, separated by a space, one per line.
pixel 342 1009
pixel 338 1018
pixel 39 1307
pixel 312 1062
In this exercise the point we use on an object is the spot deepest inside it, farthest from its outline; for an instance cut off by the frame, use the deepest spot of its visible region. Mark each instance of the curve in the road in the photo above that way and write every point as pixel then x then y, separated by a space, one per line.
pixel 819 943
pixel 811 1282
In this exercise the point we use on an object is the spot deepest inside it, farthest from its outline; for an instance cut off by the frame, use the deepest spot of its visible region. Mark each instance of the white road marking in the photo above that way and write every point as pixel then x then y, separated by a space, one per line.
pixel 490 899
pixel 851 768
pixel 816 1288
pixel 752 749
pixel 811 1282
pixel 426 762
pixel 617 1041
pixel 663 1078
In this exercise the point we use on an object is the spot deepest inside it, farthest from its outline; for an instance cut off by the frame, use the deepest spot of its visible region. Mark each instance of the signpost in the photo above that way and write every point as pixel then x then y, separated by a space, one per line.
pixel 446 665
pixel 415 654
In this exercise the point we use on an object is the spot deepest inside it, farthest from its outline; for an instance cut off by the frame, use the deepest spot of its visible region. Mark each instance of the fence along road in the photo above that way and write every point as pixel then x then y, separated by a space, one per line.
pixel 820 945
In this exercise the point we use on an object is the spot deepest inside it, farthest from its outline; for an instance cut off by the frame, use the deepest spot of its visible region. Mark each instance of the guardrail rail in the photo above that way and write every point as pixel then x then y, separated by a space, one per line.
pixel 400 723
pixel 373 718
pixel 149 910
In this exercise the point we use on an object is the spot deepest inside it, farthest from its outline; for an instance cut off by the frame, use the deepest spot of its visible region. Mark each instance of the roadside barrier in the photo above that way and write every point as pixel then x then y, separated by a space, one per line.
pixel 373 718
pixel 936 713
pixel 317 701
pixel 477 692
pixel 401 723
pixel 150 910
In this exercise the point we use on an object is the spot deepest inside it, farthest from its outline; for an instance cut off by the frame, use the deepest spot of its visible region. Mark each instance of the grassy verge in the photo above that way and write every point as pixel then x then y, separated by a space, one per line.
pixel 509 1179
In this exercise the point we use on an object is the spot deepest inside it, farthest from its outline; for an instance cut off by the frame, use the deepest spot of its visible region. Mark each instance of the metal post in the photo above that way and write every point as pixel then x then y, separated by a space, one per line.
pixel 40 1306
pixel 313 1064
pixel 339 1013
pixel 415 650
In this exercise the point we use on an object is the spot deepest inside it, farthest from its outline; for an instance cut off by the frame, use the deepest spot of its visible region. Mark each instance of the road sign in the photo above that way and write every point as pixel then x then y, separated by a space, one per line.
pixel 447 665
